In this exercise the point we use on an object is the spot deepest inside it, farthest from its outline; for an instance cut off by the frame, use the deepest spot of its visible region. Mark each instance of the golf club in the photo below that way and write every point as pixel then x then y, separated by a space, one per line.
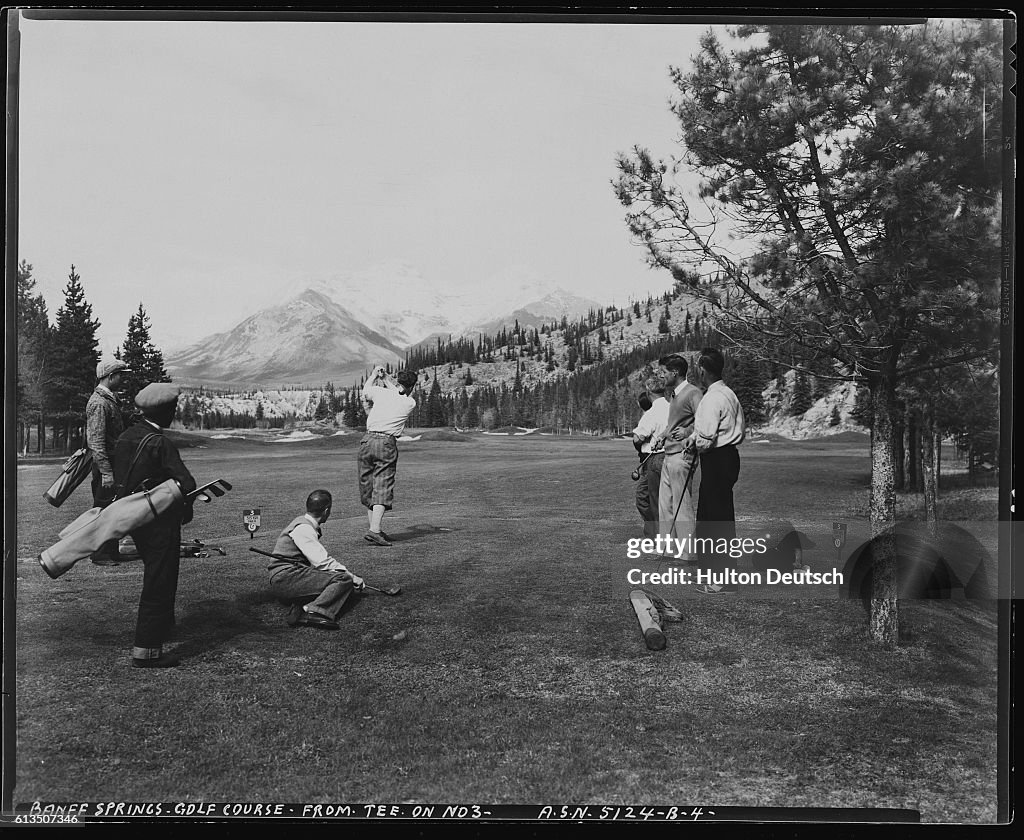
pixel 217 487
pixel 639 469
pixel 391 590
pixel 682 495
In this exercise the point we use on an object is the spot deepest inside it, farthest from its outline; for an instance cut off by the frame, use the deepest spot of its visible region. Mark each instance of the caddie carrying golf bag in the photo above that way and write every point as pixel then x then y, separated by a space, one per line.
pixel 98 525
pixel 73 473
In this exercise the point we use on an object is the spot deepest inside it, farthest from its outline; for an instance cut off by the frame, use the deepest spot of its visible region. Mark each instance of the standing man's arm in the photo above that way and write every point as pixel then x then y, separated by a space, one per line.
pixel 384 380
pixel 644 430
pixel 705 425
pixel 96 440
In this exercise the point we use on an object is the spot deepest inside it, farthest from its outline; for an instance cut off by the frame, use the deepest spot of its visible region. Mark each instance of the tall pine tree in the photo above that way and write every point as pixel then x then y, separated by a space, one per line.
pixel 75 356
pixel 801 399
pixel 435 408
pixel 33 325
pixel 144 360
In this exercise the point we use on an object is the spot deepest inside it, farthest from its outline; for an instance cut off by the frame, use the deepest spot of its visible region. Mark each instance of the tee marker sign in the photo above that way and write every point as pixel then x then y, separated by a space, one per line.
pixel 251 518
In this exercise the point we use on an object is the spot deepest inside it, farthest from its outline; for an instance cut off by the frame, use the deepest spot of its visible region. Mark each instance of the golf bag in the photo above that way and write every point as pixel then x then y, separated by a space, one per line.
pixel 73 473
pixel 98 525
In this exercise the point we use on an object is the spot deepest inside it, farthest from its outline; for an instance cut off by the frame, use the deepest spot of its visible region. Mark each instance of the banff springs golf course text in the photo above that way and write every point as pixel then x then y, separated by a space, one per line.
pixel 672 548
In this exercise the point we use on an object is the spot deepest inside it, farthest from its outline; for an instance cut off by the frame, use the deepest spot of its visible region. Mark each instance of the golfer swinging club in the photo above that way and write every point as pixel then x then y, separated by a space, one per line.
pixel 388 405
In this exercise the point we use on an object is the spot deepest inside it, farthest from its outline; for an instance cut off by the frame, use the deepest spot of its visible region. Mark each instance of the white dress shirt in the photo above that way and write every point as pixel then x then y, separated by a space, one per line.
pixel 651 427
pixel 305 538
pixel 389 409
pixel 719 419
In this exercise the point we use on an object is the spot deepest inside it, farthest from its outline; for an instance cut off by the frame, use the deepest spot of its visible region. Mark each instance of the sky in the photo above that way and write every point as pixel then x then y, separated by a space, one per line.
pixel 208 169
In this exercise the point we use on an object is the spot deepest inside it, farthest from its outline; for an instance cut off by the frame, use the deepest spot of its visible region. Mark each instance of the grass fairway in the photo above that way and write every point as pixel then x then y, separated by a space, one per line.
pixel 522 677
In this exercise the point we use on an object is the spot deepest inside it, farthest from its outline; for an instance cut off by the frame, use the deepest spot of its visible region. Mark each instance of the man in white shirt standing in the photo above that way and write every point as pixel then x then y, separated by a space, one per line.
pixel 647 438
pixel 388 405
pixel 305 574
pixel 719 427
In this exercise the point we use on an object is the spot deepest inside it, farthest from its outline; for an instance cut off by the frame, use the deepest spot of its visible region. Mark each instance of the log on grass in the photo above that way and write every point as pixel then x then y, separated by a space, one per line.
pixel 650 620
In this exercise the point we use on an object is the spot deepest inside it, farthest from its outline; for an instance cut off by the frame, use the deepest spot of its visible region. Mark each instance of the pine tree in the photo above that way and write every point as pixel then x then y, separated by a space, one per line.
pixel 801 399
pixel 34 342
pixel 573 357
pixel 435 409
pixel 349 412
pixel 862 413
pixel 75 356
pixel 746 381
pixel 323 408
pixel 145 362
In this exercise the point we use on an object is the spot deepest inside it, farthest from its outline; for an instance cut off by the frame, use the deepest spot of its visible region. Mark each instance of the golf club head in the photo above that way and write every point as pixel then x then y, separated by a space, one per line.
pixel 213 488
pixel 225 484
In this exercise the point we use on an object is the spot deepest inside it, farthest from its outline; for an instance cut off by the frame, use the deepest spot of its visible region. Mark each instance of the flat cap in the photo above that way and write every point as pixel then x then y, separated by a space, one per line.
pixel 104 369
pixel 156 395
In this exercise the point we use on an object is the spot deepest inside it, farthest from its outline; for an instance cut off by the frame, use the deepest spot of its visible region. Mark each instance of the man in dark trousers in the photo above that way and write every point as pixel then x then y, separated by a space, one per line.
pixel 314 582
pixel 103 425
pixel 718 428
pixel 143 458
pixel 646 436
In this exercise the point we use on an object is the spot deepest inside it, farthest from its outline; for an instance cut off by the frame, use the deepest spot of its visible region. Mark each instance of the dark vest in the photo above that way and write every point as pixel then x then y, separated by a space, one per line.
pixel 286 547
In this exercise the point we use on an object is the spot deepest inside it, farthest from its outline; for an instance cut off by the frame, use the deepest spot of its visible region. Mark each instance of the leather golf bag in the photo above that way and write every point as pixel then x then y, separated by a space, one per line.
pixel 73 473
pixel 98 525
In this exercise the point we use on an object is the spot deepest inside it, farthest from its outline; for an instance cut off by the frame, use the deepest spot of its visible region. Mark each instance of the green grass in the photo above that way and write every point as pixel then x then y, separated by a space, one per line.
pixel 523 677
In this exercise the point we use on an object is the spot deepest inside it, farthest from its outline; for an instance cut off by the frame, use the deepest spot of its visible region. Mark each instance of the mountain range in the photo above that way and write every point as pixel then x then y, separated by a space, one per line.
pixel 337 328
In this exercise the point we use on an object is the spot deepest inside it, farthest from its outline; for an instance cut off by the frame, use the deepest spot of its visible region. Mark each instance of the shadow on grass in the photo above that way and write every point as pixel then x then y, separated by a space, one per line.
pixel 413 532
pixel 212 623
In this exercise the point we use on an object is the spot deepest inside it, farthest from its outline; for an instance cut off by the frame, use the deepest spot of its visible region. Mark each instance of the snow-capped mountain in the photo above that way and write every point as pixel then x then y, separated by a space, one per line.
pixel 536 313
pixel 338 327
pixel 308 339
pixel 396 301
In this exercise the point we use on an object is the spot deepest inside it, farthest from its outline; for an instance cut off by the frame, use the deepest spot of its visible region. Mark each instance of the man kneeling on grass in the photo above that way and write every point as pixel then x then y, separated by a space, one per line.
pixel 304 573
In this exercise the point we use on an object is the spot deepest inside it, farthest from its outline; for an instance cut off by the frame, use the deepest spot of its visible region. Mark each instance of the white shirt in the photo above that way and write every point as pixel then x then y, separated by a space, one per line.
pixel 389 410
pixel 719 419
pixel 652 425
pixel 305 539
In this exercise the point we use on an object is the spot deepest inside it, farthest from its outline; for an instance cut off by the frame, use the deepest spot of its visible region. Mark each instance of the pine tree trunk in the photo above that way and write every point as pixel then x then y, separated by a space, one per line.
pixel 884 619
pixel 938 461
pixel 916 439
pixel 897 424
pixel 928 470
pixel 909 479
